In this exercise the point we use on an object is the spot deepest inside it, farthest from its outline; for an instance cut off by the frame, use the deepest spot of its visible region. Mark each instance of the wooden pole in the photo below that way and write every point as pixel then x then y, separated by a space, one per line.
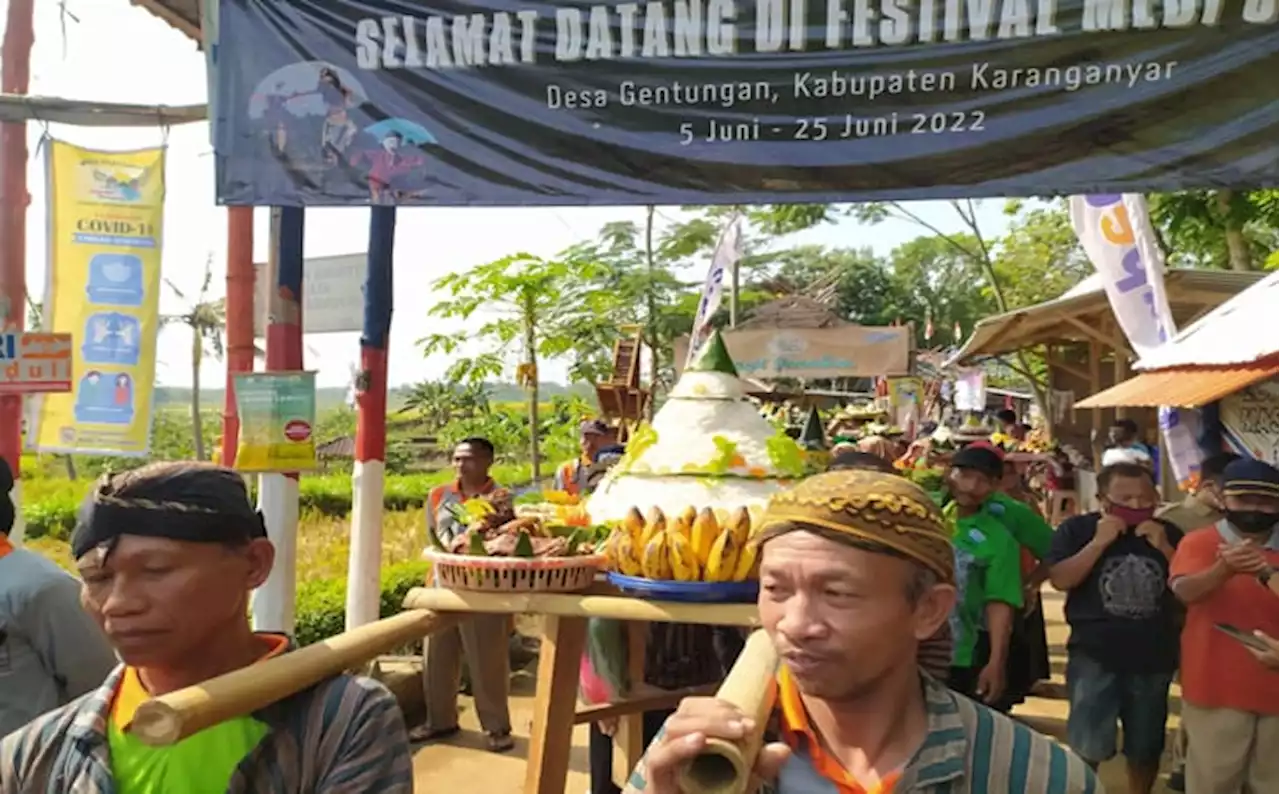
pixel 240 314
pixel 15 78
pixel 582 606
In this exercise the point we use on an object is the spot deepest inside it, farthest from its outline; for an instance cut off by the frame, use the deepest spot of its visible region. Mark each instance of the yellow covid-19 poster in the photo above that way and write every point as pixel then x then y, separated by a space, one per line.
pixel 102 285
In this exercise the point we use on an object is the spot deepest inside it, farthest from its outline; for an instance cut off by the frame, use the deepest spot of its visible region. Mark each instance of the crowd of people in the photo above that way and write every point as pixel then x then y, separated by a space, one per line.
pixel 908 630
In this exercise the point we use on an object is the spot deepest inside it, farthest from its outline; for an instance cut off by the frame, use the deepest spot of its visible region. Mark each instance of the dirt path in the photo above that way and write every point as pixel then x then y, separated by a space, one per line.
pixel 464 766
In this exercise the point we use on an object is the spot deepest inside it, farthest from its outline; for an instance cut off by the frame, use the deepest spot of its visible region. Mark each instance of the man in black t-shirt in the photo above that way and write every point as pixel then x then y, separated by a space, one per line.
pixel 1123 650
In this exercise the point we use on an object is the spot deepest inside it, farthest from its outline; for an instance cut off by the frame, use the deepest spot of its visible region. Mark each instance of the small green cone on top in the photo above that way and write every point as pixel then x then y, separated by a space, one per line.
pixel 713 356
pixel 811 436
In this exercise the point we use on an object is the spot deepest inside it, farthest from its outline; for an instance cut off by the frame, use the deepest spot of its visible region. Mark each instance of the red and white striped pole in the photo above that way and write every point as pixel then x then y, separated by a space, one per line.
pixel 364 563
pixel 274 603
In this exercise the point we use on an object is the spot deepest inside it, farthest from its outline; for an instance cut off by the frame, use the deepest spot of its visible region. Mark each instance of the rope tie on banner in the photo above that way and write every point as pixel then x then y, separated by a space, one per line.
pixel 45 138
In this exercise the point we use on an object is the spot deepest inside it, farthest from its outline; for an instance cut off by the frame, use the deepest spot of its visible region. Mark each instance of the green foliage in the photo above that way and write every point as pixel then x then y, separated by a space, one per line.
pixel 322 603
pixel 436 404
pixel 49 505
pixel 1223 229
pixel 1039 258
pixel 526 301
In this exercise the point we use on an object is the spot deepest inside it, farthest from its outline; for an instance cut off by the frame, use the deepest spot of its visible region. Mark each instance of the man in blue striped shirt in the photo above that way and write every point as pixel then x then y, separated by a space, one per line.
pixel 856 571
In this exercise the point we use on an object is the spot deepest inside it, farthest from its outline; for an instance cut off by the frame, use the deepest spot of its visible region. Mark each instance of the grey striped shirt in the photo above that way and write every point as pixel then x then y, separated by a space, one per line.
pixel 969 749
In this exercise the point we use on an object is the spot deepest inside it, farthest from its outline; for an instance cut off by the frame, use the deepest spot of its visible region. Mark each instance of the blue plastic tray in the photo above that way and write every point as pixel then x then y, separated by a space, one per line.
pixel 692 592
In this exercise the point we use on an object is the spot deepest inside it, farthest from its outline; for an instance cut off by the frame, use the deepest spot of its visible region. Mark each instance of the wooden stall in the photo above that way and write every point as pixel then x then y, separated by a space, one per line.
pixel 1085 349
pixel 1230 350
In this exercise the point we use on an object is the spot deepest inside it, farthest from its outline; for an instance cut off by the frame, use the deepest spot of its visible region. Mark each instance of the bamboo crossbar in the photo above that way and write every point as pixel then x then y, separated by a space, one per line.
pixel 582 606
pixel 170 718
pixel 661 700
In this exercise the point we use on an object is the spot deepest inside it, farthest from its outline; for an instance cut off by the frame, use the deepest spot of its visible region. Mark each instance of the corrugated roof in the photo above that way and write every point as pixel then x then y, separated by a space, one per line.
pixel 1240 331
pixel 183 15
pixel 1183 387
pixel 1190 292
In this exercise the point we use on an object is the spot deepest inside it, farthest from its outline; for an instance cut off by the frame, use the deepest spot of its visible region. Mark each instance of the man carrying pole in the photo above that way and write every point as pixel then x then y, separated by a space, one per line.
pixel 168 554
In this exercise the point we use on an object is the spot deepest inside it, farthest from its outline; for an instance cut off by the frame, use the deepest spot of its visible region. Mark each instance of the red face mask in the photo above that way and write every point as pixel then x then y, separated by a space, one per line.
pixel 1132 516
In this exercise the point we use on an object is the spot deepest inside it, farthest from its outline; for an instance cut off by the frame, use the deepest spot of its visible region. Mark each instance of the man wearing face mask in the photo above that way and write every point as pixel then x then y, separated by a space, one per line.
pixel 1123 649
pixel 1204 506
pixel 1229 699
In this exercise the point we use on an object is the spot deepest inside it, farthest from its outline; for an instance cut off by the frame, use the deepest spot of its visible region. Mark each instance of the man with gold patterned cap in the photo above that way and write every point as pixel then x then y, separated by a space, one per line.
pixel 856 571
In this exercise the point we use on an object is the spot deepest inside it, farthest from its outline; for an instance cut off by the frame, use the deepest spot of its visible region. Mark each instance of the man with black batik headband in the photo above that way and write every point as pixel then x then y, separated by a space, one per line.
pixel 169 554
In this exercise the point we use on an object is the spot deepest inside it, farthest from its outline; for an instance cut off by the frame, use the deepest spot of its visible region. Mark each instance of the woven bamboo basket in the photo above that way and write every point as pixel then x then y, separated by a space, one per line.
pixel 514 574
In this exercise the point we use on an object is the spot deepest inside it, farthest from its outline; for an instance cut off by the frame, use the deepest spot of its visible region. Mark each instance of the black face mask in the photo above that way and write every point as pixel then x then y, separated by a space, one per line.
pixel 1252 522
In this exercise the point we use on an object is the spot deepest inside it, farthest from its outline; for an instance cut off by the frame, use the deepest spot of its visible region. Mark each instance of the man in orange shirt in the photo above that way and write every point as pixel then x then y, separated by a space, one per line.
pixel 483 639
pixel 572 475
pixel 1229 698
pixel 856 570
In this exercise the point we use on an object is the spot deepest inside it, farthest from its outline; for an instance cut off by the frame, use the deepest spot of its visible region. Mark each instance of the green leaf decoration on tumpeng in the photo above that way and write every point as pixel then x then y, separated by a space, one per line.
pixel 475 545
pixel 641 439
pixel 786 455
pixel 726 451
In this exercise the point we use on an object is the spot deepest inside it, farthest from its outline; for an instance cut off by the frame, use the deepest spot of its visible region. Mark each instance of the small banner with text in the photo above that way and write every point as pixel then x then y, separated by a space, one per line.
pixel 277 419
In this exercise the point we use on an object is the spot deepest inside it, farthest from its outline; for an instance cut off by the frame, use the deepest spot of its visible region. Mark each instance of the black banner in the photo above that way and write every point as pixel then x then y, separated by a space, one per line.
pixel 341 102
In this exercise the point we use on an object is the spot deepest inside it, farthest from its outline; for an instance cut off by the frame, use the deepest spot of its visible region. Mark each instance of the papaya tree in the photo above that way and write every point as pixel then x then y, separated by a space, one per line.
pixel 517 308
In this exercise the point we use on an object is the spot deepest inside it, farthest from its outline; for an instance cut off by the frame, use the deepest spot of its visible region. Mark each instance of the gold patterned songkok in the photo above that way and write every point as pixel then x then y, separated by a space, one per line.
pixel 874 508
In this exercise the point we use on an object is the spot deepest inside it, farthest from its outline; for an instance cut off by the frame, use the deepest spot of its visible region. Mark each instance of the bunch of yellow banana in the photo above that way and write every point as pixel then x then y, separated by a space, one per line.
pixel 695 546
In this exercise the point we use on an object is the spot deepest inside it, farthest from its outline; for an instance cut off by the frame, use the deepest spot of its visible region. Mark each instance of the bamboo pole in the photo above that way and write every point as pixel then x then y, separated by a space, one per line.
pixel 168 719
pixel 582 606
pixel 725 767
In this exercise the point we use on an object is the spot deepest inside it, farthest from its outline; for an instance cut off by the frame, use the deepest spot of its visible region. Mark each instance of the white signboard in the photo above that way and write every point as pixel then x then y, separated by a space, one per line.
pixel 1249 420
pixel 332 294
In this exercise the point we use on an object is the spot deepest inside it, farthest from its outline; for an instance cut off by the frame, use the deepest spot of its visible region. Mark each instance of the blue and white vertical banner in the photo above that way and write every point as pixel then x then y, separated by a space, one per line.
pixel 728 252
pixel 1115 231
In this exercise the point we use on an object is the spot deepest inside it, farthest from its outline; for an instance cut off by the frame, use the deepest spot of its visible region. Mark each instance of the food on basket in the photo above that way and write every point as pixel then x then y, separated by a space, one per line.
pixel 704 550
pixel 494 530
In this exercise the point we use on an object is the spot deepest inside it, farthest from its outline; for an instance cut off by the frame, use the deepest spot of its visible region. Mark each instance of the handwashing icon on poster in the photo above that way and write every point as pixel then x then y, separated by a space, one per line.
pixel 115 280
pixel 111 338
pixel 104 398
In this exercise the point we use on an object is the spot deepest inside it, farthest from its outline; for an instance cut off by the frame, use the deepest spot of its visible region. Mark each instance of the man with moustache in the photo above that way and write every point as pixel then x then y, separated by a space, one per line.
pixel 168 554
pixel 856 570
pixel 1229 698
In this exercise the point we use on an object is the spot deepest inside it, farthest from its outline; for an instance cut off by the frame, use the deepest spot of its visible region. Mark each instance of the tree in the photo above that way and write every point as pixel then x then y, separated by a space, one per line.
pixel 935 280
pixel 436 404
pixel 1040 257
pixel 978 249
pixel 519 301
pixel 206 318
pixel 1224 229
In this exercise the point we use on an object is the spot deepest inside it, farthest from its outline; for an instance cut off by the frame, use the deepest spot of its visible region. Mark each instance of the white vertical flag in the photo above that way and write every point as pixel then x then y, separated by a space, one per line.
pixel 1115 231
pixel 726 255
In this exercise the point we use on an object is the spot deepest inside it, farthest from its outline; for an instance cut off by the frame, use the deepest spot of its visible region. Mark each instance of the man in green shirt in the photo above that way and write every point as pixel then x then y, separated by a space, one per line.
pixel 988 576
